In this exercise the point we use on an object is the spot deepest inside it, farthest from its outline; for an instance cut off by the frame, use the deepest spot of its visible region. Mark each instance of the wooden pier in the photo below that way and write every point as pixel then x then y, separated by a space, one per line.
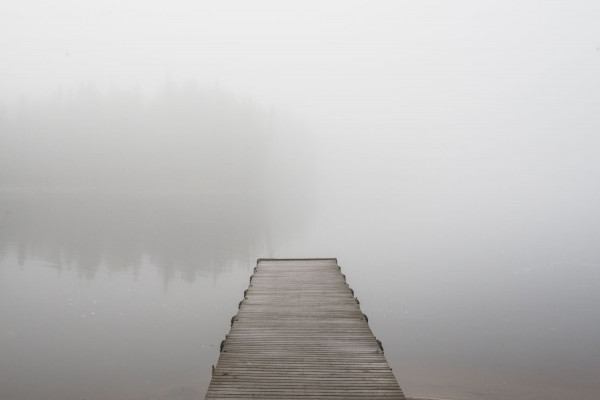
pixel 300 334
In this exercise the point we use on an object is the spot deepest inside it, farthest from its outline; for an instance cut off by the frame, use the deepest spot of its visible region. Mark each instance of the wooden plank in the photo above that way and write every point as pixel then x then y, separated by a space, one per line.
pixel 300 334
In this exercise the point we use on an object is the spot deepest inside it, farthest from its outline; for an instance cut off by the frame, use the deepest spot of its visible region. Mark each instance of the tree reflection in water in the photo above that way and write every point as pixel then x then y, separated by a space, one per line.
pixel 188 234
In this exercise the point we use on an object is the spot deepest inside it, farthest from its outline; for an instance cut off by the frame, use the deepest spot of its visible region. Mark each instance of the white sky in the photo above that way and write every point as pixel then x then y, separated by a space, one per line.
pixel 308 53
pixel 431 81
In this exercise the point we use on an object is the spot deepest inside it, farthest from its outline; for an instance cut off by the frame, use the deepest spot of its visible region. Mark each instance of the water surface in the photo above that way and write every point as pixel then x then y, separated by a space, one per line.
pixel 127 296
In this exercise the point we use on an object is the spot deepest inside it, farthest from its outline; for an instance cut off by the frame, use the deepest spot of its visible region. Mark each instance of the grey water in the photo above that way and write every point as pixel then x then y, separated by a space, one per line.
pixel 128 295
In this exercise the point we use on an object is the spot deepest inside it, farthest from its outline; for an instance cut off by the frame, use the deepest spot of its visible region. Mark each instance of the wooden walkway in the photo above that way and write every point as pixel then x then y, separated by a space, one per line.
pixel 300 334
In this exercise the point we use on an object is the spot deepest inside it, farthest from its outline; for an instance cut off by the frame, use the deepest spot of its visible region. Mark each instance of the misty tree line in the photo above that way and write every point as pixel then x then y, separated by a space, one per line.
pixel 245 168
pixel 185 138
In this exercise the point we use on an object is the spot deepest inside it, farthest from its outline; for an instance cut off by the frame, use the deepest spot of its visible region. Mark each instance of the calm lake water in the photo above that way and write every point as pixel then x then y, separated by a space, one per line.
pixel 127 296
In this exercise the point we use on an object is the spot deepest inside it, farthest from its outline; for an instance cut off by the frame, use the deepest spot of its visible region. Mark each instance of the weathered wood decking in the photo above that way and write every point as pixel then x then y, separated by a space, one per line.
pixel 300 334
